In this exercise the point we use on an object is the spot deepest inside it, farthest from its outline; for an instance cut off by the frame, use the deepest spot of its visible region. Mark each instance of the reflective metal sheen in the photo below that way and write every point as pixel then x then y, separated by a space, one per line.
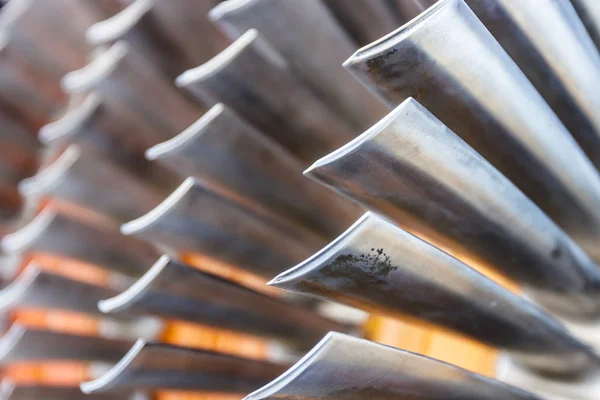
pixel 348 368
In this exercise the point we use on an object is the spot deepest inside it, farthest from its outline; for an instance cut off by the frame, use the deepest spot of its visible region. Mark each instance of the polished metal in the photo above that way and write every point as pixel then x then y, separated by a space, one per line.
pixel 187 23
pixel 348 368
pixel 37 288
pixel 379 267
pixel 413 169
pixel 161 366
pixel 138 25
pixel 254 80
pixel 224 149
pixel 448 61
pixel 589 12
pixel 174 290
pixel 307 36
pixel 549 43
pixel 23 343
pixel 198 217
pixel 22 391
pixel 365 21
pixel 97 125
pixel 72 236
pixel 123 75
pixel 77 176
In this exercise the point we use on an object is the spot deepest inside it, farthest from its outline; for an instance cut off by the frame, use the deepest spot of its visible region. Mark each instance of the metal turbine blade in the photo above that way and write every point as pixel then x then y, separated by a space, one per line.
pixel 174 290
pixel 307 35
pixel 413 169
pixel 550 45
pixel 28 90
pixel 379 267
pixel 63 47
pixel 200 218
pixel 18 391
pixel 348 368
pixel 36 288
pixel 408 9
pixel 161 366
pixel 76 177
pixel 73 237
pixel 138 26
pixel 589 12
pixel 223 148
pixel 99 125
pixel 121 73
pixel 186 23
pixel 365 21
pixel 253 79
pixel 22 343
pixel 471 84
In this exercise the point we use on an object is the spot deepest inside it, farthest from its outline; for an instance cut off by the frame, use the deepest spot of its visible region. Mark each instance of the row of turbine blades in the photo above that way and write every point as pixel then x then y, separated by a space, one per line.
pixel 151 183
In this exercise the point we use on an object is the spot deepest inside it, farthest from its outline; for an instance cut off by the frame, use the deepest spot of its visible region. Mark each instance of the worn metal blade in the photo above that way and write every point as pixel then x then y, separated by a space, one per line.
pixel 348 368
pixel 67 235
pixel 121 73
pixel 162 366
pixel 172 289
pixel 416 171
pixel 23 343
pixel 492 106
pixel 253 79
pixel 76 176
pixel 379 267
pixel 308 36
pixel 200 218
pixel 223 148
pixel 36 288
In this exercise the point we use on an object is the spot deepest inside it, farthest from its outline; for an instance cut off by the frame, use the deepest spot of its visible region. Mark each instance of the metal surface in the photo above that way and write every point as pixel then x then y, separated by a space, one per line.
pixel 122 74
pixel 137 25
pixel 253 79
pixel 348 368
pixel 104 8
pixel 11 203
pixel 73 237
pixel 379 267
pixel 172 289
pixel 36 288
pixel 63 47
pixel 589 12
pixel 551 46
pixel 224 149
pixel 76 177
pixel 22 343
pixel 468 81
pixel 416 171
pixel 19 391
pixel 408 9
pixel 18 149
pixel 198 217
pixel 365 21
pixel 161 366
pixel 29 91
pixel 97 125
pixel 307 35
pixel 187 23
